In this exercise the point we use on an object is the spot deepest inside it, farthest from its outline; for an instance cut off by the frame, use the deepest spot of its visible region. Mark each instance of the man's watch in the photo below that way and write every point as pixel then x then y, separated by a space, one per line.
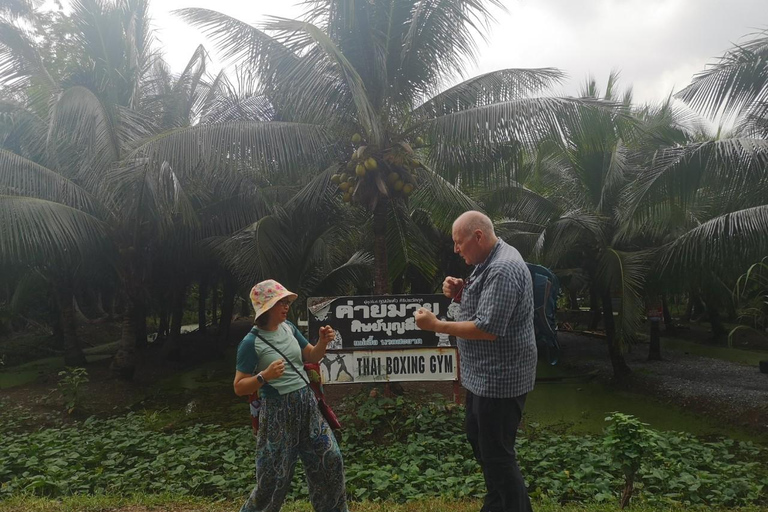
pixel 261 379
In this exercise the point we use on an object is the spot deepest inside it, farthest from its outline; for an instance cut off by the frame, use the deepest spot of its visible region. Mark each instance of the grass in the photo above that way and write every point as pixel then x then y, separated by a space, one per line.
pixel 725 353
pixel 168 503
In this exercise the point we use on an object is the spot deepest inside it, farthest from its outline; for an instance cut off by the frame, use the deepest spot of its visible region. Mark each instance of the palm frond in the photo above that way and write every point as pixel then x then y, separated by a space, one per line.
pixel 238 41
pixel 736 168
pixel 20 60
pixel 489 88
pixel 440 38
pixel 732 239
pixel 302 34
pixel 259 251
pixel 22 177
pixel 145 194
pixel 19 8
pixel 354 274
pixel 615 176
pixel 566 234
pixel 240 101
pixel 274 147
pixel 623 274
pixel 526 121
pixel 22 131
pixel 407 245
pixel 523 236
pixel 35 230
pixel 442 199
pixel 519 203
pixel 317 195
pixel 734 83
pixel 82 132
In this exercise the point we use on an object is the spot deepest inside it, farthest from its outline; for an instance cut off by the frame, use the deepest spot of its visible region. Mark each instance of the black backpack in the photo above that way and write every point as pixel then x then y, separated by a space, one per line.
pixel 546 288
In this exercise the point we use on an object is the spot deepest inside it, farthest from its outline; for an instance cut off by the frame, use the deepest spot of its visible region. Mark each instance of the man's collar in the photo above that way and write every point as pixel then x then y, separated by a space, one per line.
pixel 490 256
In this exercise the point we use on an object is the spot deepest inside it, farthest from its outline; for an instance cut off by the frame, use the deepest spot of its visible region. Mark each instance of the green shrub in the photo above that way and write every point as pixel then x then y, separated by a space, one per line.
pixel 394 450
pixel 69 386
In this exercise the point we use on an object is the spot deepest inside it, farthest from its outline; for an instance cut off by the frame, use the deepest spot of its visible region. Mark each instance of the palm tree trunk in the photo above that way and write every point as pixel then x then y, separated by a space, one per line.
pixel 573 300
pixel 688 311
pixel 654 348
pixel 79 315
pixel 98 303
pixel 124 363
pixel 111 304
pixel 171 349
pixel 215 304
pixel 56 327
pixel 620 368
pixel 58 330
pixel 698 307
pixel 73 351
pixel 718 330
pixel 669 324
pixel 162 328
pixel 140 323
pixel 381 274
pixel 227 309
pixel 594 306
pixel 201 297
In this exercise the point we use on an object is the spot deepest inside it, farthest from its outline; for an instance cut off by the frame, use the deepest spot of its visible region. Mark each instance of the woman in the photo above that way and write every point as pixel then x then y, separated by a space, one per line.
pixel 290 423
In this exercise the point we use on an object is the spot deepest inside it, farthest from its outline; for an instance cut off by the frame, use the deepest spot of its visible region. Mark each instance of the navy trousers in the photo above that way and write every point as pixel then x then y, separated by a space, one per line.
pixel 491 425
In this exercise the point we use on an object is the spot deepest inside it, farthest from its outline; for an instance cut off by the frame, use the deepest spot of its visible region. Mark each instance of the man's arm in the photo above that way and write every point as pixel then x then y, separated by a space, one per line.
pixel 427 320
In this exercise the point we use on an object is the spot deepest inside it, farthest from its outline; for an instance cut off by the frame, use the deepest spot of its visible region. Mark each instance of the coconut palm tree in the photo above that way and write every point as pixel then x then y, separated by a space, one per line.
pixel 370 76
pixel 563 211
pixel 18 8
pixel 107 166
pixel 724 179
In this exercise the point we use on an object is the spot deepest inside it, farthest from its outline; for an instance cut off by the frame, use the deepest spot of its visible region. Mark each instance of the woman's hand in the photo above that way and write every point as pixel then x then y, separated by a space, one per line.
pixel 314 353
pixel 274 370
pixel 326 334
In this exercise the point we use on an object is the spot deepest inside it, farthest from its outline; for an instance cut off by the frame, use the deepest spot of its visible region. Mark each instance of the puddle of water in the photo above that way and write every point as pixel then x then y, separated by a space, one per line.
pixel 581 406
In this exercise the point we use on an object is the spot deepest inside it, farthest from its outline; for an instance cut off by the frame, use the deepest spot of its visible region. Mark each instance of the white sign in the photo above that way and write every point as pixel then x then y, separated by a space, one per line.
pixel 420 364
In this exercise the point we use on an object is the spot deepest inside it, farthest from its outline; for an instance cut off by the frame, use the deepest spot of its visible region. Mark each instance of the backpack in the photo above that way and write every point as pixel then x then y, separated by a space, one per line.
pixel 546 288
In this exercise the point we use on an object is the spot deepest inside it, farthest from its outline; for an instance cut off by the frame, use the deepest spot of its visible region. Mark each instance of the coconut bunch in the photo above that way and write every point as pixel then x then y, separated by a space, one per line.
pixel 372 172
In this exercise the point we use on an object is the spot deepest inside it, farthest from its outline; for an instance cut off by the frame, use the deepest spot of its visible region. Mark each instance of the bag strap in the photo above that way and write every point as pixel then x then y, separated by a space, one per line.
pixel 283 356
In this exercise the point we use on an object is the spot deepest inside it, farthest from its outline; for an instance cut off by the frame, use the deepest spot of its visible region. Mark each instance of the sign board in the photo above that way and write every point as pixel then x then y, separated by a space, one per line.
pixel 420 364
pixel 382 322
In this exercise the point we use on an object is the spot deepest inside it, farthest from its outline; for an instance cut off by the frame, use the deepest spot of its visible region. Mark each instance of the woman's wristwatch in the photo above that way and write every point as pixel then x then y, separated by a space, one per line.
pixel 261 379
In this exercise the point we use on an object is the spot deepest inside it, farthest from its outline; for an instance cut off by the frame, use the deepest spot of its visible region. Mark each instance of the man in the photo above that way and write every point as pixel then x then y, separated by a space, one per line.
pixel 497 353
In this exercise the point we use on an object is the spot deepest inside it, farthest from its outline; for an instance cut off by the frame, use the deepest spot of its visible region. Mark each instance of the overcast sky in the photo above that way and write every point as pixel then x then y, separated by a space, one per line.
pixel 657 45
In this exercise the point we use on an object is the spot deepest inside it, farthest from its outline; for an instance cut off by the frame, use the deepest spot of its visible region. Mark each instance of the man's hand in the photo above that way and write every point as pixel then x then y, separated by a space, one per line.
pixel 426 319
pixel 452 286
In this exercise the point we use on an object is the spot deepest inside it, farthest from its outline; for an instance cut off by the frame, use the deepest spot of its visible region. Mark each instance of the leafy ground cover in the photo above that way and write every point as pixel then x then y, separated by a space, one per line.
pixel 396 450
pixel 170 503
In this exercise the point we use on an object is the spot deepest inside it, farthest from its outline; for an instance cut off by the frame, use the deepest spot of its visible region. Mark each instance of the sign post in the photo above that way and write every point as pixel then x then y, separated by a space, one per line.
pixel 377 339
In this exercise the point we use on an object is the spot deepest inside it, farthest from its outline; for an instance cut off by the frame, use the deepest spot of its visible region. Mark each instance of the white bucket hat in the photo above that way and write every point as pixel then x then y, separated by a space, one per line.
pixel 266 294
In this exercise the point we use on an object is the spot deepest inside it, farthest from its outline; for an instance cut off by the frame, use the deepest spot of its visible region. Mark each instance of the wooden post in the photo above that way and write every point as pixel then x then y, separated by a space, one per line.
pixel 457 382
